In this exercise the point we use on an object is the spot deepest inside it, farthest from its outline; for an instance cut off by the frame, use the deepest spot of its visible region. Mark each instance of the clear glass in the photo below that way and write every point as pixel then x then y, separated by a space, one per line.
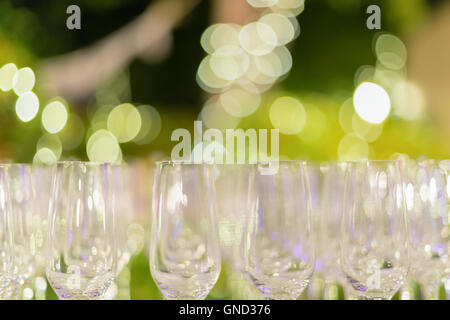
pixel 428 198
pixel 185 258
pixel 123 212
pixel 82 257
pixel 6 237
pixel 234 189
pixel 25 220
pixel 328 225
pixel 374 237
pixel 279 242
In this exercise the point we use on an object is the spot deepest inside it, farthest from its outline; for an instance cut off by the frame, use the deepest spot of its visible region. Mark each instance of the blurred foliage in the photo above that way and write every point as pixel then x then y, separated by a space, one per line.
pixel 333 44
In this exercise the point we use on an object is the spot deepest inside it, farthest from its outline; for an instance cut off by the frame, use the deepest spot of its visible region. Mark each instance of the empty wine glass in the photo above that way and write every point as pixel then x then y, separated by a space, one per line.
pixel 185 258
pixel 234 187
pixel 428 194
pixel 279 243
pixel 328 226
pixel 374 235
pixel 82 257
pixel 25 221
pixel 6 237
pixel 41 184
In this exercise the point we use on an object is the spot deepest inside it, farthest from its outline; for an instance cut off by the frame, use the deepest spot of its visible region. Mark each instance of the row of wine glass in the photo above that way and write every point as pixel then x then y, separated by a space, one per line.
pixel 368 225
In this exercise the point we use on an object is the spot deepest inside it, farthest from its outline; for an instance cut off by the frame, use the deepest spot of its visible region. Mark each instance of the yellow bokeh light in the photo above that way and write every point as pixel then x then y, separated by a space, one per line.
pixel 27 106
pixel 288 114
pixel 352 148
pixel 239 102
pixel 23 81
pixel 124 121
pixel 391 51
pixel 281 25
pixel 7 73
pixel 54 117
pixel 151 124
pixel 258 38
pixel 372 102
pixel 45 156
pixel 102 146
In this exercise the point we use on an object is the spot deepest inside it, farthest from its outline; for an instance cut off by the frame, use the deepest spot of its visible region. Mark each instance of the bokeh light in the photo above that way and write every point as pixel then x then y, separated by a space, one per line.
pixel 229 63
pixel 220 35
pixel 124 121
pixel 262 3
pixel 23 81
pixel 7 73
pixel 289 8
pixel 288 114
pixel 408 100
pixel 102 146
pixel 44 156
pixel 258 38
pixel 364 74
pixel 54 116
pixel 240 102
pixel 151 124
pixel 207 78
pixel 281 25
pixel 372 102
pixel 390 51
pixel 352 148
pixel 214 116
pixel 274 64
pixel 51 142
pixel 365 130
pixel 27 106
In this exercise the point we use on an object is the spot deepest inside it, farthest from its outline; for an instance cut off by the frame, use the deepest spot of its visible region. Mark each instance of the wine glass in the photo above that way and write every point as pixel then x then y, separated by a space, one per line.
pixel 374 234
pixel 25 221
pixel 41 183
pixel 234 187
pixel 428 194
pixel 82 257
pixel 6 237
pixel 328 226
pixel 279 243
pixel 185 258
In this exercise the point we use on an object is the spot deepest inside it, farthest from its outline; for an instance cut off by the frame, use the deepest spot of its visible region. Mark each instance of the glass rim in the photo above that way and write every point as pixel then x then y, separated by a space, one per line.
pixel 88 163
pixel 190 162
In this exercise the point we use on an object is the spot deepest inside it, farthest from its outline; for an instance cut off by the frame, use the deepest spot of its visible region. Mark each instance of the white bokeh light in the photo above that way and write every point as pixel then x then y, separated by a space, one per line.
pixel 372 102
pixel 27 106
